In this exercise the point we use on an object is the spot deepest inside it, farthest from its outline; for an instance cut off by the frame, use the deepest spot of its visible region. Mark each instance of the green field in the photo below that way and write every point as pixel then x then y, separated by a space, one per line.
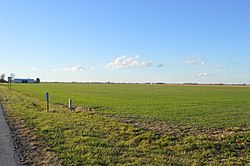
pixel 133 124
pixel 205 106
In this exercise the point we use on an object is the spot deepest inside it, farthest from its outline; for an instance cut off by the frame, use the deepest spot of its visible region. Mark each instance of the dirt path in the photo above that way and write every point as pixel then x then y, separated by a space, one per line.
pixel 7 154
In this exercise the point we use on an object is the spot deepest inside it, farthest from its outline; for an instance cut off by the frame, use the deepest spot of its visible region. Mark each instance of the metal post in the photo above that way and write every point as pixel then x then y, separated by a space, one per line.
pixel 47 98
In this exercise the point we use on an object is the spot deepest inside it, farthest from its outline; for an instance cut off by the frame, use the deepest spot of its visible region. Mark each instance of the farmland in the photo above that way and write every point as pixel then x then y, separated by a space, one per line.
pixel 205 106
pixel 137 124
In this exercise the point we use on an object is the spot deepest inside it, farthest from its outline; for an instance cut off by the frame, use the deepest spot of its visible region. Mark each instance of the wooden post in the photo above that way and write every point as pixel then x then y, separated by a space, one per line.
pixel 70 103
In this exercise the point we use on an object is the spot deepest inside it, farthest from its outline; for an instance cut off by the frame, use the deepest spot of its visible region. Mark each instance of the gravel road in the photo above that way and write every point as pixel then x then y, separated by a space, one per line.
pixel 7 152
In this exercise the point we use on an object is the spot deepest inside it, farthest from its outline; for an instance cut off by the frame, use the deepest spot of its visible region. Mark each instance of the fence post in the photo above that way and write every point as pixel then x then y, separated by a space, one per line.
pixel 70 103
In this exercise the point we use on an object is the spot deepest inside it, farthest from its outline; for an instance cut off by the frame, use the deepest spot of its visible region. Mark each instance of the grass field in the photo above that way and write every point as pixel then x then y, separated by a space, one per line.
pixel 137 124
pixel 205 106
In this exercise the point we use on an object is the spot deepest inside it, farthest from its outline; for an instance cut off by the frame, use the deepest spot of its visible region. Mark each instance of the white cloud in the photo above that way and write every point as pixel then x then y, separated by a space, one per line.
pixel 217 66
pixel 33 69
pixel 205 74
pixel 173 64
pixel 146 64
pixel 74 69
pixel 128 62
pixel 161 65
pixel 195 61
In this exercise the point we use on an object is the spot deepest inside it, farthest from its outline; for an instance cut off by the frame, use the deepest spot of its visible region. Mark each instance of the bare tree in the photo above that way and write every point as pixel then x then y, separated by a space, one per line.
pixel 12 75
pixel 2 78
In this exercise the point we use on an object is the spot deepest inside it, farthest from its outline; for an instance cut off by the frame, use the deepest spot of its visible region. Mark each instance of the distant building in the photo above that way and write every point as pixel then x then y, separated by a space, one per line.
pixel 20 80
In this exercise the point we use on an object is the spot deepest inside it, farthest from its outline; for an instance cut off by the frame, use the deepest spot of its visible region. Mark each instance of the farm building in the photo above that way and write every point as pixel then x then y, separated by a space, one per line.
pixel 20 80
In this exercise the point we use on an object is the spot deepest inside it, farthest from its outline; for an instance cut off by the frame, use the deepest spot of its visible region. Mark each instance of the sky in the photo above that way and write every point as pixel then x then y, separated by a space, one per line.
pixel 172 41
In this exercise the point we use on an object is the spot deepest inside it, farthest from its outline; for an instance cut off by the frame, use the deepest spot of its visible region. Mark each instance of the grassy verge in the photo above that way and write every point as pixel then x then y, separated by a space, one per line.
pixel 88 138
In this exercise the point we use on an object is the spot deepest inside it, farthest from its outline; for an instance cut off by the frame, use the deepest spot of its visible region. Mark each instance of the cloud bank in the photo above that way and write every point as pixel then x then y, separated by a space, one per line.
pixel 128 62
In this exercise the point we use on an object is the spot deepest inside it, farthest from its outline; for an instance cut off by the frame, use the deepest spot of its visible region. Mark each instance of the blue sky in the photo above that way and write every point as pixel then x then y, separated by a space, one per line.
pixel 171 41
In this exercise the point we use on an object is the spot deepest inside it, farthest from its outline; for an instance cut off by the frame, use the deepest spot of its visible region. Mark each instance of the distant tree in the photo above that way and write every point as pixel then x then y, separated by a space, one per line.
pixel 37 80
pixel 12 75
pixel 2 79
